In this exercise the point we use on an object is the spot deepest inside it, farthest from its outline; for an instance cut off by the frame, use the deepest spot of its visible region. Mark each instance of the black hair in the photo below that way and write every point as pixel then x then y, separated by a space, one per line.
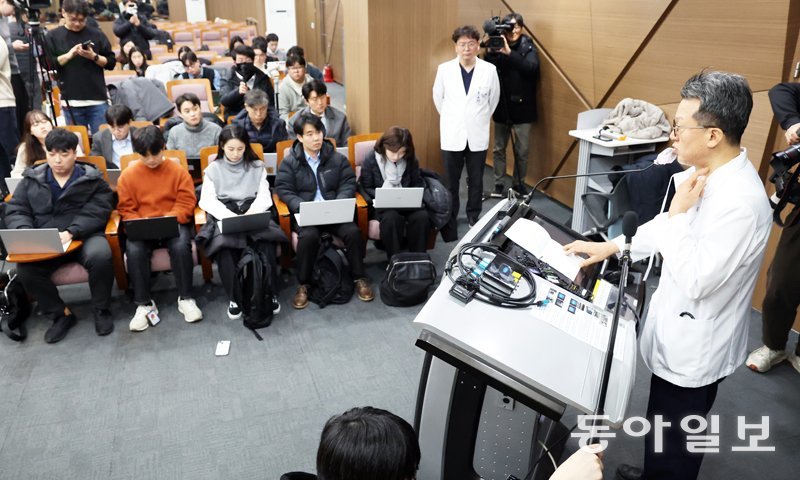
pixel 307 118
pixel 187 97
pixel 367 443
pixel 183 50
pixel 129 60
pixel 271 37
pixel 296 50
pixel 725 102
pixel 292 60
pixel 118 115
pixel 516 17
pixel 244 50
pixel 59 140
pixel 466 31
pixel 189 58
pixel 234 40
pixel 148 141
pixel 231 132
pixel 76 7
pixel 260 43
pixel 314 86
pixel 394 139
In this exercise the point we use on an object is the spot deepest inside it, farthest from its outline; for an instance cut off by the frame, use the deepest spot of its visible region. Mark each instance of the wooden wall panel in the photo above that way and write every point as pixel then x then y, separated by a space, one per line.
pixel 357 63
pixel 308 28
pixel 739 36
pixel 237 11
pixel 177 10
pixel 618 29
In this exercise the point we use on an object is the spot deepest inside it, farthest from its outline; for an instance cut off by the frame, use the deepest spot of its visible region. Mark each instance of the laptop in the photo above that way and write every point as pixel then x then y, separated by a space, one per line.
pixel 154 228
pixel 244 223
pixel 26 241
pixel 326 213
pixel 113 177
pixel 398 198
pixel 11 185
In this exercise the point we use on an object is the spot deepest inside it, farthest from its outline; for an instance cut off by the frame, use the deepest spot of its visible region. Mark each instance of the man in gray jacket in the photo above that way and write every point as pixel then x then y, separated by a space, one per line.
pixel 115 141
pixel 315 94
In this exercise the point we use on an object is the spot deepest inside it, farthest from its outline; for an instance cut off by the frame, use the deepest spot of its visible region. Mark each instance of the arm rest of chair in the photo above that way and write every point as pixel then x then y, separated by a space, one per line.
pixel 199 216
pixel 112 227
pixel 284 216
pixel 40 257
pixel 363 216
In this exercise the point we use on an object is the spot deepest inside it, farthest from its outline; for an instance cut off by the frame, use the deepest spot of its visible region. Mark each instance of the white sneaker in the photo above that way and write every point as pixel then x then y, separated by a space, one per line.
pixel 795 361
pixel 234 312
pixel 140 322
pixel 764 358
pixel 276 305
pixel 191 312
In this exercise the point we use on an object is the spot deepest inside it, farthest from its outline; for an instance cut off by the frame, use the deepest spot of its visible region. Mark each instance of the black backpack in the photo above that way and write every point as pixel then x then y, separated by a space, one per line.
pixel 14 307
pixel 408 278
pixel 253 288
pixel 331 281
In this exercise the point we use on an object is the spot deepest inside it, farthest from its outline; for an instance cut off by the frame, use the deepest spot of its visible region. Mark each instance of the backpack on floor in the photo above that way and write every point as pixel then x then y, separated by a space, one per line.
pixel 409 275
pixel 331 281
pixel 15 307
pixel 253 288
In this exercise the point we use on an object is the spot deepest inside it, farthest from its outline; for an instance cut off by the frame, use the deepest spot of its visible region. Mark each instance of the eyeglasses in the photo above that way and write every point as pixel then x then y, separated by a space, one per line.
pixel 466 45
pixel 75 19
pixel 296 68
pixel 676 129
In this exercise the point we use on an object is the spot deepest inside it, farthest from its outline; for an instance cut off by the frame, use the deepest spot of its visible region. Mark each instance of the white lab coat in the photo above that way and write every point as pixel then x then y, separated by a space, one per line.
pixel 712 255
pixel 464 118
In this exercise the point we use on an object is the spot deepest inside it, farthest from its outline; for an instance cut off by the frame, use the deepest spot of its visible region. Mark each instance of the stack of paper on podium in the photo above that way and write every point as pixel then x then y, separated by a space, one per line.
pixel 534 238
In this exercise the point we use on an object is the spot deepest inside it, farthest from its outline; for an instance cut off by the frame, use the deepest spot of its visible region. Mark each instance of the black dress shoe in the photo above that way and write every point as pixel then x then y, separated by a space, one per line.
pixel 103 322
pixel 59 329
pixel 629 472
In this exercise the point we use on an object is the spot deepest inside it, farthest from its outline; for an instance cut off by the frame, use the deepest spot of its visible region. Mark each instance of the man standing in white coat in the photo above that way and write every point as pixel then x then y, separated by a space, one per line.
pixel 466 92
pixel 712 239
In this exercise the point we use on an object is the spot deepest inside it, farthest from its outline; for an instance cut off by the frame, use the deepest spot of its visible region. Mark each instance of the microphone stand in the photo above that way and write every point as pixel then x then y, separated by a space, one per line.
pixel 612 337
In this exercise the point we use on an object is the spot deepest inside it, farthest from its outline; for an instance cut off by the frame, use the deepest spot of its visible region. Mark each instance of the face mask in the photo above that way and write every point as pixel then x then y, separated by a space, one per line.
pixel 131 10
pixel 246 70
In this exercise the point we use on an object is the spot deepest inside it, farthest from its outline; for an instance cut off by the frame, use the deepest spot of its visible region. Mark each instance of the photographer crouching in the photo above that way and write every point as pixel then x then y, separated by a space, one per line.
pixel 783 280
pixel 517 62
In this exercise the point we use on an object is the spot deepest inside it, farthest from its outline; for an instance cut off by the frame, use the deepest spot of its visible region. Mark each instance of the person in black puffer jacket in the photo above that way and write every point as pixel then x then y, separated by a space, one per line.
pixel 72 197
pixel 315 171
pixel 393 164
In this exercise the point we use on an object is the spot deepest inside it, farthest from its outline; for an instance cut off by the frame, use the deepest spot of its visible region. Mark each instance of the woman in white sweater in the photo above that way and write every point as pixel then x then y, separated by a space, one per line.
pixel 236 184
pixel 35 127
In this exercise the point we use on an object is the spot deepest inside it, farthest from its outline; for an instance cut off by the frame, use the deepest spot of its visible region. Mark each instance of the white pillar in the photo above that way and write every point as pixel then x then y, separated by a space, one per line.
pixel 196 11
pixel 281 21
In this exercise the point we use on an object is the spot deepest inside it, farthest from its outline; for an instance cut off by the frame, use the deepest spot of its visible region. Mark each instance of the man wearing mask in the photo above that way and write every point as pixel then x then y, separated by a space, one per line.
pixel 133 26
pixel 517 65
pixel 244 77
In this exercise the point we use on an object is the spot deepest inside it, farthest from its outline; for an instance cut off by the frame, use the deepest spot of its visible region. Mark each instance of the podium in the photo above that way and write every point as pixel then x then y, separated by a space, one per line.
pixel 496 381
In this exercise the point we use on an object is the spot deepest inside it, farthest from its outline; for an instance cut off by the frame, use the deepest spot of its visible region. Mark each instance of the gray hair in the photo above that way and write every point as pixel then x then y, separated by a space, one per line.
pixel 725 102
pixel 256 98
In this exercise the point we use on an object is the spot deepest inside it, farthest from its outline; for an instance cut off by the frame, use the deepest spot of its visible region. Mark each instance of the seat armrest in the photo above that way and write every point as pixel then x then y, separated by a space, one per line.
pixel 284 216
pixel 362 213
pixel 200 217
pixel 112 226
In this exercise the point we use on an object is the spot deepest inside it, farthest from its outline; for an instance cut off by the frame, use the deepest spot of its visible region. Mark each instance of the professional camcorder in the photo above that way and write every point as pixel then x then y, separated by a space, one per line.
pixel 495 28
pixel 787 187
pixel 33 4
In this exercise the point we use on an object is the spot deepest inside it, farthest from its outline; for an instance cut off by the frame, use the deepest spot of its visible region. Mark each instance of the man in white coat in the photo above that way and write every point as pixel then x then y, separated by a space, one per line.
pixel 466 92
pixel 712 239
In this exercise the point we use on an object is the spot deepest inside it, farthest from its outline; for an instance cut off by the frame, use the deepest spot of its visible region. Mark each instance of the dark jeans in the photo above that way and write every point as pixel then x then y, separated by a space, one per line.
pixel 180 258
pixel 674 403
pixel 92 117
pixel 308 246
pixel 227 258
pixel 403 227
pixel 783 291
pixel 453 166
pixel 22 98
pixel 9 139
pixel 94 255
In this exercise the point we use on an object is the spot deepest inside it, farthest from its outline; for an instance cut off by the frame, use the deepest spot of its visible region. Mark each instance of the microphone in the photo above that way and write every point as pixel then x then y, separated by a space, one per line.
pixel 630 223
pixel 489 27
pixel 529 197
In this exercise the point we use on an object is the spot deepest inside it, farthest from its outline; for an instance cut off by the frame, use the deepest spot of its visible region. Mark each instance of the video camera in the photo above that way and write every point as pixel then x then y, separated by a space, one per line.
pixel 787 186
pixel 32 8
pixel 495 28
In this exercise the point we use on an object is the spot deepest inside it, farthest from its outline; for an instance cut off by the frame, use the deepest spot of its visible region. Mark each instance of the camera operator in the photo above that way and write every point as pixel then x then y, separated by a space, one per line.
pixel 783 280
pixel 517 66
pixel 82 52
pixel 132 26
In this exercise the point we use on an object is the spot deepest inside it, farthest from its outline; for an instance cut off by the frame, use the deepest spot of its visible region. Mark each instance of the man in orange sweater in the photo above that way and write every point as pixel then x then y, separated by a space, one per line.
pixel 154 187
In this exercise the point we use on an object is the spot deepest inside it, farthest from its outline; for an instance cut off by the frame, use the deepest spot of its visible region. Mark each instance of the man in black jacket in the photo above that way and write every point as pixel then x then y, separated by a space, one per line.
pixel 517 66
pixel 316 172
pixel 783 282
pixel 245 76
pixel 76 200
pixel 132 26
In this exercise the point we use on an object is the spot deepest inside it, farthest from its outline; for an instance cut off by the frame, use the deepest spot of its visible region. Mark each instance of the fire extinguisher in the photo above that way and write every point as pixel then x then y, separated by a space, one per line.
pixel 327 73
